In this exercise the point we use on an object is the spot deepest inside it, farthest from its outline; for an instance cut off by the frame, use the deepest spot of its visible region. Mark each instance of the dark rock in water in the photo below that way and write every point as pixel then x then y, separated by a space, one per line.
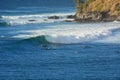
pixel 95 17
pixel 53 17
pixel 112 18
pixel 71 16
pixel 86 47
pixel 68 20
pixel 45 47
pixel 31 20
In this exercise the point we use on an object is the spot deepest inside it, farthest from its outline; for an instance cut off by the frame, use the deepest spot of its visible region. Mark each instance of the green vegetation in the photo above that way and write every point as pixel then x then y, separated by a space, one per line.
pixel 99 7
pixel 106 10
pixel 89 1
pixel 117 7
pixel 112 7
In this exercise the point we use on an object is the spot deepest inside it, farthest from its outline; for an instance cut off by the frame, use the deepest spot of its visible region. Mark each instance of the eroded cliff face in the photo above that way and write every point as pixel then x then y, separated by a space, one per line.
pixel 99 10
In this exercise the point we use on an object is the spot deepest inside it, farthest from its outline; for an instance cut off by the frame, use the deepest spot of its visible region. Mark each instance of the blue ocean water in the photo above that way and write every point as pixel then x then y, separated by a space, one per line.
pixel 33 47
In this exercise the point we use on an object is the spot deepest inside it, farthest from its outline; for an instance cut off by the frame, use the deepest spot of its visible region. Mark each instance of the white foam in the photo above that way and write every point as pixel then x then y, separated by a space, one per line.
pixel 38 18
pixel 76 33
pixel 111 39
pixel 116 21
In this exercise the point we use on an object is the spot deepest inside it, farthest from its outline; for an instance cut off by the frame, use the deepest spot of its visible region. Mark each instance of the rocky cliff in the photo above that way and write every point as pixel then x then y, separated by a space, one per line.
pixel 106 10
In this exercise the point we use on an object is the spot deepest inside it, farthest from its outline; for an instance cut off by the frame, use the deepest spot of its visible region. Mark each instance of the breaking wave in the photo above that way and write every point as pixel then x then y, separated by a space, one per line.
pixel 76 33
pixel 2 23
pixel 41 39
pixel 33 19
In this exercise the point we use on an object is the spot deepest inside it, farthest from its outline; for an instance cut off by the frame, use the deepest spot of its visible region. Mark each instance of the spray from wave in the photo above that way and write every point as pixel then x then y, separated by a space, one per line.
pixel 76 33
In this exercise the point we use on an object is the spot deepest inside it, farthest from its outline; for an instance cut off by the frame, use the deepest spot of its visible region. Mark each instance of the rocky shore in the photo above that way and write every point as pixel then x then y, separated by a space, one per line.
pixel 95 16
pixel 97 10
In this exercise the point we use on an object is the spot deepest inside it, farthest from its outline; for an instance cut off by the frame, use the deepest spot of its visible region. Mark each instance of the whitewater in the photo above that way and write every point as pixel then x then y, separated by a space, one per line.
pixel 65 33
pixel 34 47
pixel 77 33
pixel 38 18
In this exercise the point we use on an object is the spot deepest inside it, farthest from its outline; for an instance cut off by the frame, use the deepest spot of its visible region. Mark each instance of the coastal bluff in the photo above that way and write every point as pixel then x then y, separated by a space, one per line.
pixel 97 10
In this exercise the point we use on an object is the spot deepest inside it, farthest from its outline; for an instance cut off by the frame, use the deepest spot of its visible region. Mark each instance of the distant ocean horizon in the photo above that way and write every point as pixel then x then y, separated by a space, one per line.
pixel 35 47
pixel 13 4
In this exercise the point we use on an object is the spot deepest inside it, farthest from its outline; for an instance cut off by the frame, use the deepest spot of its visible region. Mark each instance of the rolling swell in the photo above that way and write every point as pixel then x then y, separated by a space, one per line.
pixel 41 39
pixel 2 22
pixel 41 42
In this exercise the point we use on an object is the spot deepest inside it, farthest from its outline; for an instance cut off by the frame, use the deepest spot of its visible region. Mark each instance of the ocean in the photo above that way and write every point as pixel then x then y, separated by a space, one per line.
pixel 34 47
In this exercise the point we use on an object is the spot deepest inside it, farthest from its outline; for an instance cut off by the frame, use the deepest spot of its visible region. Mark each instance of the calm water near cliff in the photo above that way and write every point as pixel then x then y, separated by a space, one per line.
pixel 33 47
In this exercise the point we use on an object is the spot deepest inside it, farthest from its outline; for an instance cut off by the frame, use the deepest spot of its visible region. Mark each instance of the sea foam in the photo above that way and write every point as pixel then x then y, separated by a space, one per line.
pixel 76 33
pixel 37 18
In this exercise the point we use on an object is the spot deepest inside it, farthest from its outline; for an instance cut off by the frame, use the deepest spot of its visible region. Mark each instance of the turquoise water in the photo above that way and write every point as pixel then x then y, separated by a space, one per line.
pixel 52 49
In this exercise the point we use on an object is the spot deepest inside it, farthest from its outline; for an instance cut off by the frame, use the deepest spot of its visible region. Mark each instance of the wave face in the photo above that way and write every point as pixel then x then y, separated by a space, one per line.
pixel 77 33
pixel 41 39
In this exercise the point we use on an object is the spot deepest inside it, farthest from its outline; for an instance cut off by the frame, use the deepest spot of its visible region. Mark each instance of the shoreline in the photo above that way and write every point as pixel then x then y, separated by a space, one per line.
pixel 109 19
pixel 68 18
pixel 73 18
pixel 97 10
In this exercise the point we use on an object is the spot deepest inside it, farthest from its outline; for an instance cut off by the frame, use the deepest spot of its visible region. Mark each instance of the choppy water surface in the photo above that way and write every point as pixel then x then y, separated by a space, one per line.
pixel 52 49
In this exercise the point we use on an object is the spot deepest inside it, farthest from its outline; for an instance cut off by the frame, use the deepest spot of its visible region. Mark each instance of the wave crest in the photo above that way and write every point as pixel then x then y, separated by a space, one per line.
pixel 69 35
pixel 40 39
pixel 33 19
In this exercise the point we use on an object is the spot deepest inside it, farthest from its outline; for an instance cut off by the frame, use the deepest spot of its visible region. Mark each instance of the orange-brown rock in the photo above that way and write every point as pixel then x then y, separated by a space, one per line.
pixel 99 10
